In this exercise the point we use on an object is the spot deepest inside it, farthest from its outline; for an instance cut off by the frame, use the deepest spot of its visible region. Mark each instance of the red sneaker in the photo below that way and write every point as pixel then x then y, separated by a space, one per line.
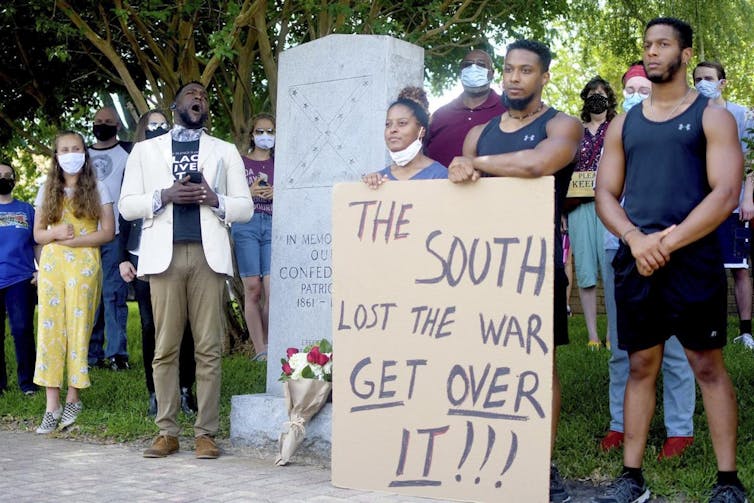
pixel 612 440
pixel 674 446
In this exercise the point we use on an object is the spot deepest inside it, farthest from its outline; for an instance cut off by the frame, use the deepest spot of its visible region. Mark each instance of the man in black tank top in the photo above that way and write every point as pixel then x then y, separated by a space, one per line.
pixel 677 162
pixel 530 140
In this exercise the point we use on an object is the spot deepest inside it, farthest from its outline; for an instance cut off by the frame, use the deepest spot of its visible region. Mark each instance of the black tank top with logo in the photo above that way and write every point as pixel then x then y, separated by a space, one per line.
pixel 666 167
pixel 493 141
pixel 666 178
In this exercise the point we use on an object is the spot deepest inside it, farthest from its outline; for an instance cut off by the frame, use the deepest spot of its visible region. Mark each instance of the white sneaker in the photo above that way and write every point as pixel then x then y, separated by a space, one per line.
pixel 746 339
pixel 50 421
pixel 70 412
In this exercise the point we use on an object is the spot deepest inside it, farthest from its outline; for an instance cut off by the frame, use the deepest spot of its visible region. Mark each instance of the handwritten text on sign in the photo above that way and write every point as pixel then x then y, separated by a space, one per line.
pixel 442 321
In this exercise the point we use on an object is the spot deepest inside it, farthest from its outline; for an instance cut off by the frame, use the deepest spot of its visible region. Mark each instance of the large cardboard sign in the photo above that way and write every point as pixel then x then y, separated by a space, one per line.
pixel 442 327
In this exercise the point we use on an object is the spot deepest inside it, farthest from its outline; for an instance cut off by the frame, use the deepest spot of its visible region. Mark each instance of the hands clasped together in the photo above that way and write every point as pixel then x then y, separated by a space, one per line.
pixel 185 192
pixel 649 250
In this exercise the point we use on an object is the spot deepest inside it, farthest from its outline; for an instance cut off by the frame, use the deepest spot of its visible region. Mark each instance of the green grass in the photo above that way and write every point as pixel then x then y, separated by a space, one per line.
pixel 115 408
pixel 585 419
pixel 116 403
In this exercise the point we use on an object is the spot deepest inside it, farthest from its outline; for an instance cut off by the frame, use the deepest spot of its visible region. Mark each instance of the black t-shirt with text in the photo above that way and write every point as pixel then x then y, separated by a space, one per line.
pixel 186 224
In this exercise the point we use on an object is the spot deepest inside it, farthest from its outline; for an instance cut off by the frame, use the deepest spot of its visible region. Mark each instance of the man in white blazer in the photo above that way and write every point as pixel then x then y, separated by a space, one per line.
pixel 187 187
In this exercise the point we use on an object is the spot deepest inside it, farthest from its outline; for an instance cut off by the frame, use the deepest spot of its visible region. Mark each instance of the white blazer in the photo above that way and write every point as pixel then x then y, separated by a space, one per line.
pixel 150 168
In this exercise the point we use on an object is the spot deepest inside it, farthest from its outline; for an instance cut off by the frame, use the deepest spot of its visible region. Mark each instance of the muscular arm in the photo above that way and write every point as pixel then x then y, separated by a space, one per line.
pixel 747 204
pixel 461 169
pixel 648 250
pixel 724 168
pixel 547 158
pixel 611 176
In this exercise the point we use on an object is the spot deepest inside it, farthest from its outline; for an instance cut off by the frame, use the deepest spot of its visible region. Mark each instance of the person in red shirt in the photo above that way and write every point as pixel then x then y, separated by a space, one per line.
pixel 476 105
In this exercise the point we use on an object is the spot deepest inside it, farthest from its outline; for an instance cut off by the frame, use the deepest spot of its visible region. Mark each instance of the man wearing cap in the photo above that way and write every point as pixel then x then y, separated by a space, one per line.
pixel 476 105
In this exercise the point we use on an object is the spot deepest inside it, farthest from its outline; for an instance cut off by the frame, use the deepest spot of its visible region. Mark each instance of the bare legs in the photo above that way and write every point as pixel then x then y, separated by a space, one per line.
pixel 639 403
pixel 257 316
pixel 717 393
pixel 589 305
pixel 742 282
pixel 719 404
pixel 53 397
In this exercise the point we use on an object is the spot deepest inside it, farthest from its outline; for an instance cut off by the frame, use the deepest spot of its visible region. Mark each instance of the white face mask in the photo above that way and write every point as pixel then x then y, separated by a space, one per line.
pixel 72 162
pixel 709 89
pixel 474 76
pixel 264 141
pixel 405 156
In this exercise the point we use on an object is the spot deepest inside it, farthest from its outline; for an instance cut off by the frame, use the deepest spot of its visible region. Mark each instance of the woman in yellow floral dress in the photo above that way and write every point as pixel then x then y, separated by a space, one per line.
pixel 74 217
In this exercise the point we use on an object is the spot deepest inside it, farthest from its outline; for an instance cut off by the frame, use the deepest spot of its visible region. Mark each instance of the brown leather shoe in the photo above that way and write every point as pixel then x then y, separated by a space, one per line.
pixel 206 448
pixel 162 446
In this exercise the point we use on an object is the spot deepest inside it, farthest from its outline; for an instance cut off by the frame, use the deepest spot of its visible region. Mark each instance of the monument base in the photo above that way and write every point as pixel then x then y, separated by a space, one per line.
pixel 256 422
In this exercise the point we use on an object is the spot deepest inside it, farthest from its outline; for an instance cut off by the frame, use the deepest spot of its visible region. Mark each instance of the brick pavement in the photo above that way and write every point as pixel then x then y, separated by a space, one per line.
pixel 35 468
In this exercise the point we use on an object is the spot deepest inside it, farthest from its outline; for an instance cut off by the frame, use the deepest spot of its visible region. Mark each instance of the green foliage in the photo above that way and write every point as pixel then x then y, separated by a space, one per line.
pixel 325 346
pixel 748 140
pixel 609 35
pixel 53 75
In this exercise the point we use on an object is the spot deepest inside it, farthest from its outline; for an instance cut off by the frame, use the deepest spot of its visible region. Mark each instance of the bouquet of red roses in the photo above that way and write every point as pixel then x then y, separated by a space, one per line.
pixel 307 382
pixel 314 362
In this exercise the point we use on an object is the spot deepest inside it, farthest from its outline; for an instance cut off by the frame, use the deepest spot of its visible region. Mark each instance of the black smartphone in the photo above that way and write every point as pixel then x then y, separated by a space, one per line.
pixel 195 177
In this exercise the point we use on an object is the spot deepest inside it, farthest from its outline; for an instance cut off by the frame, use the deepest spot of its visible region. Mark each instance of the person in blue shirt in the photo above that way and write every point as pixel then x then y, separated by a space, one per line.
pixel 405 126
pixel 17 275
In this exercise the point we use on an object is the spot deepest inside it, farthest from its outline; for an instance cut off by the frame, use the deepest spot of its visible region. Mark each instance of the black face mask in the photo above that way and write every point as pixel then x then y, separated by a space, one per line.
pixel 154 134
pixel 6 186
pixel 104 132
pixel 595 104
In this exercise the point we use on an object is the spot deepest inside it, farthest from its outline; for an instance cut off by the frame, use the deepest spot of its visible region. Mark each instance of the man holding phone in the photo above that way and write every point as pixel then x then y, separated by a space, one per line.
pixel 187 186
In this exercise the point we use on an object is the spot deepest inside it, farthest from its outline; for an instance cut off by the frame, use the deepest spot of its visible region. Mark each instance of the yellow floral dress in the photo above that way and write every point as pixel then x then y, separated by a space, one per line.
pixel 69 285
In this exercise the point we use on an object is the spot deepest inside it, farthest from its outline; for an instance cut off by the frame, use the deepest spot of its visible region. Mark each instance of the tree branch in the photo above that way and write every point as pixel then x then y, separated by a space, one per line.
pixel 25 134
pixel 108 51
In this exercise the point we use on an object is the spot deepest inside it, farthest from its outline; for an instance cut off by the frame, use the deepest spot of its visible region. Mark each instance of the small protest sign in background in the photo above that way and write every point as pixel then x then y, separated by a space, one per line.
pixel 442 327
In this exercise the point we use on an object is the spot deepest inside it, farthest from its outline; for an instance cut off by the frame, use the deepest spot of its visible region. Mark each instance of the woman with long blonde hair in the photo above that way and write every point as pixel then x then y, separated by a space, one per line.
pixel 74 217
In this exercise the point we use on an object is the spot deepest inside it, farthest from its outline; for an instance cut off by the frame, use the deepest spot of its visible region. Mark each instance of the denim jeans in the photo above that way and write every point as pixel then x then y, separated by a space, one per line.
pixel 112 314
pixel 679 387
pixel 18 299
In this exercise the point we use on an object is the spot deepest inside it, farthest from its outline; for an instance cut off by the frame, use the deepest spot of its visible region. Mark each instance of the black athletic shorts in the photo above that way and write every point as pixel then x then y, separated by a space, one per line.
pixel 686 298
pixel 560 312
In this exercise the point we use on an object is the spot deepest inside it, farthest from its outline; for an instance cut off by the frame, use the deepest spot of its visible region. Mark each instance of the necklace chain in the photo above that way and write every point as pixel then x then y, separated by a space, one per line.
pixel 652 106
pixel 526 116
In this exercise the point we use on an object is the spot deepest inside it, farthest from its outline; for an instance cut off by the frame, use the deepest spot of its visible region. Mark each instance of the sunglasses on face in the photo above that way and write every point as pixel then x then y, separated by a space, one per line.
pixel 154 126
pixel 643 92
pixel 478 62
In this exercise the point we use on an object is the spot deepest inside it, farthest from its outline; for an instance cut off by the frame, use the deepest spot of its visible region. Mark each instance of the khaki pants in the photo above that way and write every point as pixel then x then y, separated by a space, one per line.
pixel 188 290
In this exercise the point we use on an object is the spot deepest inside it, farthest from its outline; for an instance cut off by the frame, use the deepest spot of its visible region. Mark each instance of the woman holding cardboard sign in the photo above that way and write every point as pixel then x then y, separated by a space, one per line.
pixel 406 124
pixel 584 228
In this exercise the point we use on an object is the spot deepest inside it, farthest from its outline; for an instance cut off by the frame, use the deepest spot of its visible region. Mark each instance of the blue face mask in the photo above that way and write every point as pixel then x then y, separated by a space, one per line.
pixel 634 99
pixel 474 76
pixel 709 89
